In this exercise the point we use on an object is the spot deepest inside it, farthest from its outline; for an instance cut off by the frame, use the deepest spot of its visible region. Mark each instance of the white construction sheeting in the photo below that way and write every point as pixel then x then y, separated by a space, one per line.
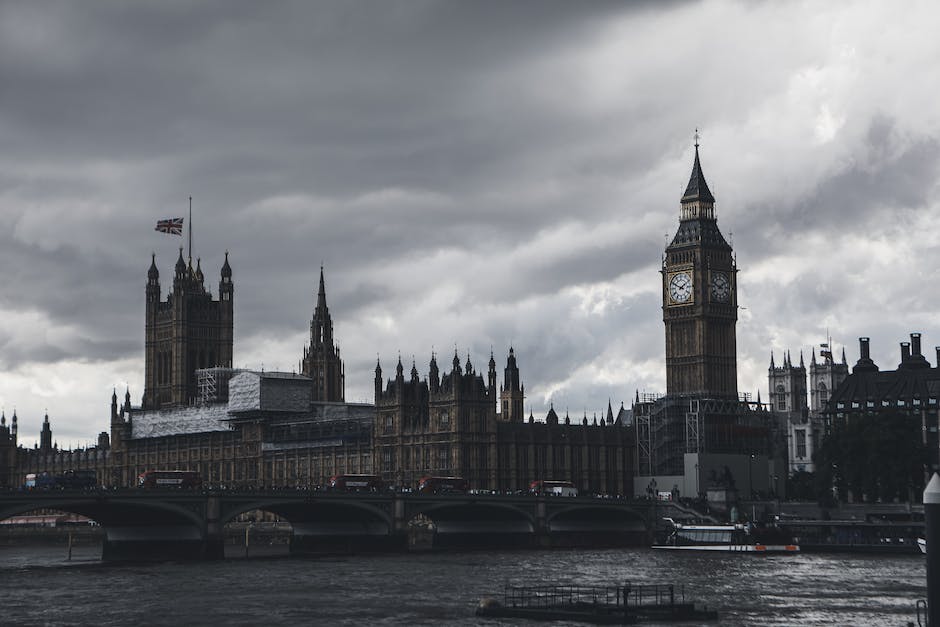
pixel 164 422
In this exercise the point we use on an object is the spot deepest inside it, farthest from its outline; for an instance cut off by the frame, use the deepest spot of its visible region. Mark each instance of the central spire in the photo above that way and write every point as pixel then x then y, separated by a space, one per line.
pixel 321 327
pixel 697 201
pixel 321 296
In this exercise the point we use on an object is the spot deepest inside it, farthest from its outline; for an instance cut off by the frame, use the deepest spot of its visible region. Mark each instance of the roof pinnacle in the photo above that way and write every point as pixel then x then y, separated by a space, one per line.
pixel 697 188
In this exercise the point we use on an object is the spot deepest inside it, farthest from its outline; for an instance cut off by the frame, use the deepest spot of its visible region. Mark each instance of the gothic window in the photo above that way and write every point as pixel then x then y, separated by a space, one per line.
pixel 800 443
pixel 387 460
pixel 389 423
pixel 781 398
pixel 823 394
pixel 443 457
pixel 445 420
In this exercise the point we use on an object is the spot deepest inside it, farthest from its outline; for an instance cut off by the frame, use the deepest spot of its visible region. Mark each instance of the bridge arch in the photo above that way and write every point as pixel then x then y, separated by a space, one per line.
pixel 596 524
pixel 136 525
pixel 476 517
pixel 309 511
pixel 108 512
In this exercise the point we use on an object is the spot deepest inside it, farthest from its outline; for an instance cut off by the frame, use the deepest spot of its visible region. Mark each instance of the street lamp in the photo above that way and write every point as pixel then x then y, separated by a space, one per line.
pixel 750 484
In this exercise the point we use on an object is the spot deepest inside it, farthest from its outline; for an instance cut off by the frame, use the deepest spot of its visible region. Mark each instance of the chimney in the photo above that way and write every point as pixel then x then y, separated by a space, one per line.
pixel 865 364
pixel 916 359
pixel 938 356
pixel 905 352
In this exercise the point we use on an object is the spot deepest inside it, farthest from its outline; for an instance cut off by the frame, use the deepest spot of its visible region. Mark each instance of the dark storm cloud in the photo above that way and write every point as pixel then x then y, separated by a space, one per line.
pixel 478 173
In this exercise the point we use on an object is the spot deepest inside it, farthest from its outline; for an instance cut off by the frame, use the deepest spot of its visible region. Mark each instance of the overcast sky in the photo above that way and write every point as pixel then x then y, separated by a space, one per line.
pixel 474 174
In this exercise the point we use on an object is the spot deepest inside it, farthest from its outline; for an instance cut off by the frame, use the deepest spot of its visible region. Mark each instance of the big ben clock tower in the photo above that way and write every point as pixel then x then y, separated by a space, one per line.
pixel 700 307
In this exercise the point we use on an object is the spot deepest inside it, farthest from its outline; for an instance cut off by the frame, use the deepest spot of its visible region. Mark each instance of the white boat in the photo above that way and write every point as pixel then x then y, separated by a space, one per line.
pixel 922 545
pixel 729 539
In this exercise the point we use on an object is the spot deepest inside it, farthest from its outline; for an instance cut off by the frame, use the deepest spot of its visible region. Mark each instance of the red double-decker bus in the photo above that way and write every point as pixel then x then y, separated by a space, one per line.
pixel 355 483
pixel 182 479
pixel 443 485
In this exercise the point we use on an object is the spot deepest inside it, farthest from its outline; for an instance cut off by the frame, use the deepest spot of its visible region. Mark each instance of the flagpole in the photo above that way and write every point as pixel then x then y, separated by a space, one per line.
pixel 190 231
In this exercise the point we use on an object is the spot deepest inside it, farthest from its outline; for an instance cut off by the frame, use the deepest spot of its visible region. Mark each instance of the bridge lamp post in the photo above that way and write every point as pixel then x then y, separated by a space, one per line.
pixel 750 483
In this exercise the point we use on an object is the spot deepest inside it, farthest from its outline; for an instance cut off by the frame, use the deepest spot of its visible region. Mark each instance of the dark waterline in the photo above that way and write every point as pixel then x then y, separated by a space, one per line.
pixel 41 587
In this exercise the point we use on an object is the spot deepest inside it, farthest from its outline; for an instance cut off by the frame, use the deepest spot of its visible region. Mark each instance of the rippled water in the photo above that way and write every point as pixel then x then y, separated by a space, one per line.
pixel 39 587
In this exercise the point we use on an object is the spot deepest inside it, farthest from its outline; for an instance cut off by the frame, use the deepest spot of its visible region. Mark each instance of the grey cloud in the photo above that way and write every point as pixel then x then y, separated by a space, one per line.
pixel 387 143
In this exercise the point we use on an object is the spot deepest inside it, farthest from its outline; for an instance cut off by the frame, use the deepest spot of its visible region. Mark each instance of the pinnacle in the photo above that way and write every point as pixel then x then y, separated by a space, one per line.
pixel 697 188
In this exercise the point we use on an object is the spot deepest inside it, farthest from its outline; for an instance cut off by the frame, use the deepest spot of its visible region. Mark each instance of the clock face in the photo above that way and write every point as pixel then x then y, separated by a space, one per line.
pixel 721 287
pixel 680 287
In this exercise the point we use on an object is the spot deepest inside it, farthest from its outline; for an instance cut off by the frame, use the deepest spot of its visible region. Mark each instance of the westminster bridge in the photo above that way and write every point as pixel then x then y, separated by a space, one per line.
pixel 182 524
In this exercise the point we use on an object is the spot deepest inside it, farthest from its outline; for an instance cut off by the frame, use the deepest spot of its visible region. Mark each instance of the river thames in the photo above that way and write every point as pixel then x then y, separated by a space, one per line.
pixel 40 587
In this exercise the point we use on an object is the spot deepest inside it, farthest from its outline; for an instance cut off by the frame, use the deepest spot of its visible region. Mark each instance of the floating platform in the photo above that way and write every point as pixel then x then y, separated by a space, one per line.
pixel 612 605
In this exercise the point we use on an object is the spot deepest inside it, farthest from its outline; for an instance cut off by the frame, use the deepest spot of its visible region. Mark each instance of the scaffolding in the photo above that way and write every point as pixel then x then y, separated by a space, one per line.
pixel 212 384
pixel 671 426
pixel 207 389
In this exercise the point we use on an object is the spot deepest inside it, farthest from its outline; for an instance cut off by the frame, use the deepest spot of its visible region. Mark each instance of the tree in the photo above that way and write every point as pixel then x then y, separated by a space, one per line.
pixel 874 457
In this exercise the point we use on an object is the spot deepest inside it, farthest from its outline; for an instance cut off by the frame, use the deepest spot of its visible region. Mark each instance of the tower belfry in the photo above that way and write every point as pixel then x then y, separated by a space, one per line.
pixel 699 298
pixel 321 360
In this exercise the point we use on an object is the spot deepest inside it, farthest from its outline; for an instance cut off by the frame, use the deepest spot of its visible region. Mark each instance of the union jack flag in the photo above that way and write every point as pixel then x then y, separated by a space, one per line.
pixel 173 226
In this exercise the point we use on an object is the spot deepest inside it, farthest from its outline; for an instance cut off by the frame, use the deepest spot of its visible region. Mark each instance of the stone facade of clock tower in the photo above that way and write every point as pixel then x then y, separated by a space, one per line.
pixel 700 299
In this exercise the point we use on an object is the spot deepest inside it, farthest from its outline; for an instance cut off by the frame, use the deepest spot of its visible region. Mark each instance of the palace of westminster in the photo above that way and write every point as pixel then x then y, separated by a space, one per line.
pixel 249 428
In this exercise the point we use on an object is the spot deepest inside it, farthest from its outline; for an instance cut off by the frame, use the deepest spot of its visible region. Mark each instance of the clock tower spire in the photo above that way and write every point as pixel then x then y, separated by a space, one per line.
pixel 700 298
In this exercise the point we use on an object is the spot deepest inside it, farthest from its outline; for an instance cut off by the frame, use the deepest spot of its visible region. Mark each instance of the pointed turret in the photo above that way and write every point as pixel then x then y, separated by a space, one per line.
pixel 512 396
pixel 434 376
pixel 199 275
pixel 414 371
pixel 771 360
pixel 844 362
pixel 399 370
pixel 45 436
pixel 812 361
pixel 226 269
pixel 180 265
pixel 697 189
pixel 801 359
pixel 491 374
pixel 152 273
pixel 552 417
pixel 456 363
pixel 378 380
pixel 610 412
pixel 322 362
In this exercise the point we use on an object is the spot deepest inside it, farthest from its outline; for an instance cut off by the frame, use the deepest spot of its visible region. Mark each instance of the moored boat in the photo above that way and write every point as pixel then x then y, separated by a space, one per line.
pixel 735 538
